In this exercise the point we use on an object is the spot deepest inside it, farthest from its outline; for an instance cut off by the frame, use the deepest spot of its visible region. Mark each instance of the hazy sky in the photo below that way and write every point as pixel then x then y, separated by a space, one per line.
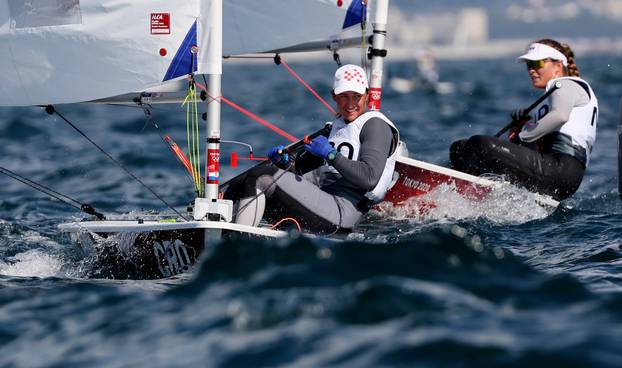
pixel 533 18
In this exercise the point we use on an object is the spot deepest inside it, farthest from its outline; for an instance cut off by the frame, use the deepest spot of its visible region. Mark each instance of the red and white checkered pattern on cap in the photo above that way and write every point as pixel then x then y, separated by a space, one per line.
pixel 350 78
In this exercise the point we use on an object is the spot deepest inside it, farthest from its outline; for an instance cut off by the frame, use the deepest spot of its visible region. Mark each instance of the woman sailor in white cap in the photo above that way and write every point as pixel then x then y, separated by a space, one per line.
pixel 549 149
pixel 354 165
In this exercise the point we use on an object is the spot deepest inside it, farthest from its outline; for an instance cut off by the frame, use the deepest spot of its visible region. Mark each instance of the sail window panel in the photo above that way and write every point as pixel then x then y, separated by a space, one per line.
pixel 44 13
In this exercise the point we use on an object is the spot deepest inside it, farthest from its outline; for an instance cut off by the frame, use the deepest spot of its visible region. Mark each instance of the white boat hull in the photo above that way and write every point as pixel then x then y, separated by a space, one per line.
pixel 156 249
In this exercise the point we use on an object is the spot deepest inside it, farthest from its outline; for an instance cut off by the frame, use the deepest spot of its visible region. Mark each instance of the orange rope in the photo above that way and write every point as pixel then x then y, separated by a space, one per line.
pixel 180 154
pixel 276 129
pixel 287 219
pixel 307 86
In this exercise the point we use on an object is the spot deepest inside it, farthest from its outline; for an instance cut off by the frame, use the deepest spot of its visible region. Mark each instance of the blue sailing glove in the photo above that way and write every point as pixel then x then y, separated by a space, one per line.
pixel 319 146
pixel 279 155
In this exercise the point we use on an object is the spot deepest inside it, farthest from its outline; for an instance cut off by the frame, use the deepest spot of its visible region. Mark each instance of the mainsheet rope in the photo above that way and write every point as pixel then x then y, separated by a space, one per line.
pixel 276 129
pixel 292 72
pixel 279 61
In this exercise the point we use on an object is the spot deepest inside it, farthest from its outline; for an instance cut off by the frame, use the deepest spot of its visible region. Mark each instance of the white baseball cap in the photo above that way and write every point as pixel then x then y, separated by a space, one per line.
pixel 540 51
pixel 350 78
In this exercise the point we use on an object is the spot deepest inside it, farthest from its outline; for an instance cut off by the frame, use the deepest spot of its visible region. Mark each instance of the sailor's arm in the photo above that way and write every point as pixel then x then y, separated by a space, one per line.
pixel 563 100
pixel 376 142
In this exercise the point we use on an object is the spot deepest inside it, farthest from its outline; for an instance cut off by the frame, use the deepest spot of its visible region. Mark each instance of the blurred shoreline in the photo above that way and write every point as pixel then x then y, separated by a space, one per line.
pixel 491 49
pixel 507 48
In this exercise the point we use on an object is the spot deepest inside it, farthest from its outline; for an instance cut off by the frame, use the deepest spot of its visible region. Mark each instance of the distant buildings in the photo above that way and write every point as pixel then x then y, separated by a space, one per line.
pixel 466 32
pixel 460 30
pixel 539 10
pixel 471 27
pixel 467 26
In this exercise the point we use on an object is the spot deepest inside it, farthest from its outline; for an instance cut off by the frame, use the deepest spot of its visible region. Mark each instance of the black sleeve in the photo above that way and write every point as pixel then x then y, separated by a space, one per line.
pixel 306 162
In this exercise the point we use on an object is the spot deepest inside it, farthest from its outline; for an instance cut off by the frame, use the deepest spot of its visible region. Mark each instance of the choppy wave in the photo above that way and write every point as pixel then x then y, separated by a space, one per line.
pixel 308 303
pixel 507 204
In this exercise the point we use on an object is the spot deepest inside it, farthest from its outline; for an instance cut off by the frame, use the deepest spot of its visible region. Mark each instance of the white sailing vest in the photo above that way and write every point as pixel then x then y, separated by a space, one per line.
pixel 581 125
pixel 345 138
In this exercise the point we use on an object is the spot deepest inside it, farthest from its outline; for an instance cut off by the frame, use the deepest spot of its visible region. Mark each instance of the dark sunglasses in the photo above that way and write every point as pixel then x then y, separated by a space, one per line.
pixel 535 64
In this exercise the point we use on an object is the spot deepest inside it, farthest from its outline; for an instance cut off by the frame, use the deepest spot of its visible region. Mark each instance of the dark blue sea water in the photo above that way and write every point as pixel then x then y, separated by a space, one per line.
pixel 494 284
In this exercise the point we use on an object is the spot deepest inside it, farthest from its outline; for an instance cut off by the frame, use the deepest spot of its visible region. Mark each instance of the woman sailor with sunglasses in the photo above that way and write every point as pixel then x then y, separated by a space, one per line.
pixel 549 149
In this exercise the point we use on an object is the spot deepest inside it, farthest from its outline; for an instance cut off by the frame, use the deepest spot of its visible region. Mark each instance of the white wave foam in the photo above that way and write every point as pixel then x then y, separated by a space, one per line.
pixel 32 263
pixel 506 204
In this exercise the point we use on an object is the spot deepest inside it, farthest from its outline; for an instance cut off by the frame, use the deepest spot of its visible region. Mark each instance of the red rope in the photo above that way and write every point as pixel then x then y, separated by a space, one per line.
pixel 276 129
pixel 287 219
pixel 180 154
pixel 308 87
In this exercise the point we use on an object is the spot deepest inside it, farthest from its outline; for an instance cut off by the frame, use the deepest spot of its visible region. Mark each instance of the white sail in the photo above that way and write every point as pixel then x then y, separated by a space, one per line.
pixel 65 51
pixel 61 51
pixel 268 25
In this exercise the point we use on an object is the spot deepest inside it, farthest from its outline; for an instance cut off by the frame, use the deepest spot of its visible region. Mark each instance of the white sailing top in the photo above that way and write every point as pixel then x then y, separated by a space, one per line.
pixel 581 123
pixel 346 139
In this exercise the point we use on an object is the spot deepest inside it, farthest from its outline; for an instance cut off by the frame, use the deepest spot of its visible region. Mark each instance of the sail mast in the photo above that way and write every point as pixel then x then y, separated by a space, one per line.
pixel 210 207
pixel 214 57
pixel 378 53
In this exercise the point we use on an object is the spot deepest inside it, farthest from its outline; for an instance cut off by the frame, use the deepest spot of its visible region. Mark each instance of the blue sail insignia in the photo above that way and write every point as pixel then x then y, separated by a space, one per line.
pixel 184 61
pixel 356 13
